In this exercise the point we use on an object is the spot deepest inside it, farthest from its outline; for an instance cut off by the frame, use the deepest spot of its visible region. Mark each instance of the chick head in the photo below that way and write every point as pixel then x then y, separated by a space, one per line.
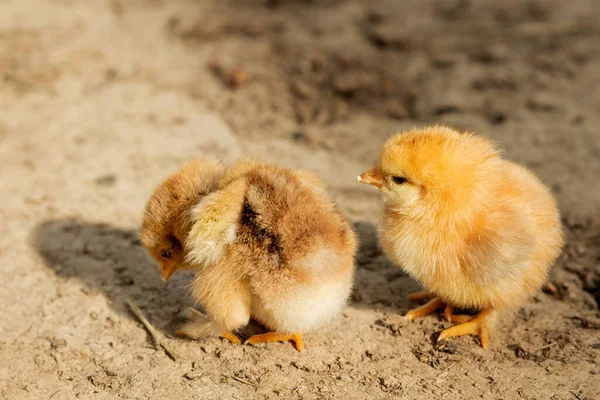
pixel 167 218
pixel 429 168
pixel 167 251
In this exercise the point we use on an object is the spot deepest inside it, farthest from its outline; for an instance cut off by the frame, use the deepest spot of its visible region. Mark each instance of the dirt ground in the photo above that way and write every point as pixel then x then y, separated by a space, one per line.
pixel 100 100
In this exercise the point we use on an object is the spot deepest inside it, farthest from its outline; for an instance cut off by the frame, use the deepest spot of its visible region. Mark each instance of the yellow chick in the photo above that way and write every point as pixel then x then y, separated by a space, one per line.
pixel 474 229
pixel 266 243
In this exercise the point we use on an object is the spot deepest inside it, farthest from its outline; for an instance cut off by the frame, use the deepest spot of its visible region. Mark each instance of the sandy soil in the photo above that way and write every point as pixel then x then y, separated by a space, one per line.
pixel 99 100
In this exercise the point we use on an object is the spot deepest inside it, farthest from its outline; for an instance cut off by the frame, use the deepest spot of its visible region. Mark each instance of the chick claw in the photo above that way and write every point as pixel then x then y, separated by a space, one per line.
pixel 230 336
pixel 429 307
pixel 277 337
pixel 476 326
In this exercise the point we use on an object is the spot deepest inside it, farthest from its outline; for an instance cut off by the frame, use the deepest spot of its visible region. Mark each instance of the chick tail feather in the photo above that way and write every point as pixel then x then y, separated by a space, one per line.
pixel 198 325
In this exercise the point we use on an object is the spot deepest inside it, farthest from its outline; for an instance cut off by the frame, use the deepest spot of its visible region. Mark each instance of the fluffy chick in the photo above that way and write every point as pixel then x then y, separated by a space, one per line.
pixel 266 243
pixel 474 229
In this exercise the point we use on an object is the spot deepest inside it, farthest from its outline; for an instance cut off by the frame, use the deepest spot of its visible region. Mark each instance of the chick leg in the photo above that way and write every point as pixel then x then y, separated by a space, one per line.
pixel 277 337
pixel 434 304
pixel 225 298
pixel 480 326
pixel 420 296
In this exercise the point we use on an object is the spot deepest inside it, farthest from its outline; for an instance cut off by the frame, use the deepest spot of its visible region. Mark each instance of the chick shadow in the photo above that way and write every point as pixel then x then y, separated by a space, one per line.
pixel 379 283
pixel 112 261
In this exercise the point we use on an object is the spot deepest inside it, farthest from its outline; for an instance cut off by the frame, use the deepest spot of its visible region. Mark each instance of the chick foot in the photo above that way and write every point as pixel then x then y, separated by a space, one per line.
pixel 434 304
pixel 479 325
pixel 277 337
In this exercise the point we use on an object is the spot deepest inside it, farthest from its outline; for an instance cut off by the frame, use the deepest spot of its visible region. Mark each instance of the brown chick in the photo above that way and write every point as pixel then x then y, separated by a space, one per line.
pixel 266 243
pixel 474 229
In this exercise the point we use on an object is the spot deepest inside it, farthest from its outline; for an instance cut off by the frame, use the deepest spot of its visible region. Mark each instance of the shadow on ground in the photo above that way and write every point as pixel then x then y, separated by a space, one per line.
pixel 379 284
pixel 112 260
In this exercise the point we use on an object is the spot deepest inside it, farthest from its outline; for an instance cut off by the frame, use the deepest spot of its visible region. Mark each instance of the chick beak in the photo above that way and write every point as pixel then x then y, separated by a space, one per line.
pixel 370 177
pixel 166 270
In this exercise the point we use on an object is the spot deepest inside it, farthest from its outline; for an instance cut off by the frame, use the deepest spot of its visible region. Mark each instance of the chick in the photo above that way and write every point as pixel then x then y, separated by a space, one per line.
pixel 474 229
pixel 266 243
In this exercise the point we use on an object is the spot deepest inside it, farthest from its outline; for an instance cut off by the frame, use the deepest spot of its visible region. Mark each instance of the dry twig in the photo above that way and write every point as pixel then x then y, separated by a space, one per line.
pixel 245 382
pixel 545 347
pixel 156 337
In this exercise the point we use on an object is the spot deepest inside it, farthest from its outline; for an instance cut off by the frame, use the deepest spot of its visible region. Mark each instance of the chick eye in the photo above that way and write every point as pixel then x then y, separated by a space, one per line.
pixel 399 180
pixel 166 254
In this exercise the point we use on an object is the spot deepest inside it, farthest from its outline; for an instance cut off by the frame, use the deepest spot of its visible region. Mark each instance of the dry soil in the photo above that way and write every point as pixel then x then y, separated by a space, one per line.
pixel 101 99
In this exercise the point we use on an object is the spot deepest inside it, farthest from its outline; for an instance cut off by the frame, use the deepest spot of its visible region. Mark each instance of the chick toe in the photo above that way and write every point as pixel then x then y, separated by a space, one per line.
pixel 478 325
pixel 426 309
pixel 230 336
pixel 277 337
